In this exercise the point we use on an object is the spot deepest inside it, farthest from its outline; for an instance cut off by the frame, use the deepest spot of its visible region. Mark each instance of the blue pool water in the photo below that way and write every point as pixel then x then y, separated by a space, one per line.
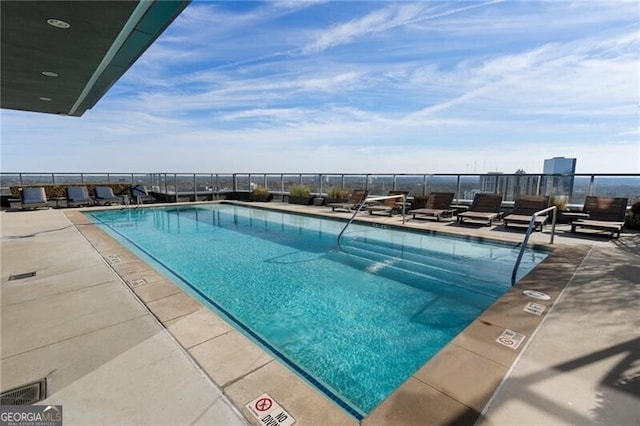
pixel 354 323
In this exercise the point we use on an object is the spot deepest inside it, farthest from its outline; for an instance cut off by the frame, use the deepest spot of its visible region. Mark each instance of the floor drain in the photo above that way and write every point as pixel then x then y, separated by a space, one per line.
pixel 26 394
pixel 21 276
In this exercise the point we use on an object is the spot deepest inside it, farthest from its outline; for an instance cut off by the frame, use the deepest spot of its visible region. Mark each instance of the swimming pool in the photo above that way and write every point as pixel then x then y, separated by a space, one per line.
pixel 355 324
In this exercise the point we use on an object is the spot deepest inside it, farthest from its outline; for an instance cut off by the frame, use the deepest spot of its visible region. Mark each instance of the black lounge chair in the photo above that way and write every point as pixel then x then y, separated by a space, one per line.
pixel 485 207
pixel 78 196
pixel 357 197
pixel 438 205
pixel 103 195
pixel 33 198
pixel 605 214
pixel 524 208
pixel 390 206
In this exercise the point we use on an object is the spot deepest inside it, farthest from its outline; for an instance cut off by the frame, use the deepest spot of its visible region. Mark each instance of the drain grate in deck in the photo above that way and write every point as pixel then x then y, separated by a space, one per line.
pixel 21 276
pixel 26 394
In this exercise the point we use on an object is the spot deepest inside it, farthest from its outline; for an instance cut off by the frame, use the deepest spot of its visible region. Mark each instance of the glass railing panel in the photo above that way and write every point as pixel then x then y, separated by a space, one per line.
pixel 312 181
pixel 95 178
pixel 520 184
pixel 380 184
pixel 413 184
pixel 145 179
pixel 257 180
pixel 469 187
pixel 68 178
pixel 224 182
pixel 290 180
pixel 242 182
pixel 442 183
pixel 8 180
pixel 557 185
pixel 204 187
pixel 330 182
pixel 205 182
pixel 608 186
pixel 30 179
pixel 355 181
pixel 274 183
pixel 185 183
pixel 120 178
pixel 572 187
pixel 162 183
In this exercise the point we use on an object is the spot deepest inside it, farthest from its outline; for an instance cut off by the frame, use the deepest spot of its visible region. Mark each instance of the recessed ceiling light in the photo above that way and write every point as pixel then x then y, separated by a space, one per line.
pixel 58 23
pixel 43 98
pixel 50 73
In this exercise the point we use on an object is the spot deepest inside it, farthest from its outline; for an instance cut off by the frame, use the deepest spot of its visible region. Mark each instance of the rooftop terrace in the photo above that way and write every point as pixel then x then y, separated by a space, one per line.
pixel 121 344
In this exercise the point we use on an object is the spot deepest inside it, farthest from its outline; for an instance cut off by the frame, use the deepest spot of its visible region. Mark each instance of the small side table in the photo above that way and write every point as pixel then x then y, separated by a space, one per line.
pixel 574 216
pixel 57 200
pixel 459 208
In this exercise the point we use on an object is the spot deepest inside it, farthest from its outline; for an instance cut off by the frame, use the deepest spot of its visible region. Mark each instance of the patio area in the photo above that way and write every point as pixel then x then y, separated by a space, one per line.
pixel 120 344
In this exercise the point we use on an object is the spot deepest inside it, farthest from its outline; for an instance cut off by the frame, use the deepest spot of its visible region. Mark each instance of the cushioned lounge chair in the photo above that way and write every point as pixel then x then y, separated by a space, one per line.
pixel 524 208
pixel 357 197
pixel 605 214
pixel 140 195
pixel 390 206
pixel 33 198
pixel 78 196
pixel 103 195
pixel 438 205
pixel 485 207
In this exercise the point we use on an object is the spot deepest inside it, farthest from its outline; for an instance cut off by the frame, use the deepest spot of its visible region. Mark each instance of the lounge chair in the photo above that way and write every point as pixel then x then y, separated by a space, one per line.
pixel 605 214
pixel 438 205
pixel 390 206
pixel 78 196
pixel 140 194
pixel 33 198
pixel 524 208
pixel 103 195
pixel 485 207
pixel 357 197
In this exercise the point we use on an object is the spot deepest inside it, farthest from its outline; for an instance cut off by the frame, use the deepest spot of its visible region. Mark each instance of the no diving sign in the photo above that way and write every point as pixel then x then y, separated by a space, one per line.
pixel 269 412
pixel 510 339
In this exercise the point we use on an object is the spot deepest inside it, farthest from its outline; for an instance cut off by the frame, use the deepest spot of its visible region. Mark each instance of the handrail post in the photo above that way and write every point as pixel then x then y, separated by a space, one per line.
pixel 424 185
pixel 526 238
pixel 195 188
pixel 175 186
pixel 360 208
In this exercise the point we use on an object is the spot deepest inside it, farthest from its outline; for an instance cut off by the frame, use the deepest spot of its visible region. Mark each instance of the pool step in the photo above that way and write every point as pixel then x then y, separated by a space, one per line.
pixel 463 267
pixel 438 282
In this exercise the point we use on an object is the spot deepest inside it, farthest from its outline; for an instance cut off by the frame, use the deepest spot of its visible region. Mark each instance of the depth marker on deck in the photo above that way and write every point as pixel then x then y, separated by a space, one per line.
pixel 534 308
pixel 535 294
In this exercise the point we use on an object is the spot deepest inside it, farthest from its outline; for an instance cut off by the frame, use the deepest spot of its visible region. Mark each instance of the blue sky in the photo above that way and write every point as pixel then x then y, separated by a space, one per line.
pixel 406 87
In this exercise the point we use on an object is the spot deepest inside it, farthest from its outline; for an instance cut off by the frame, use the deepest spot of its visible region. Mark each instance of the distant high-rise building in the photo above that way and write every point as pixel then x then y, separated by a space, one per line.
pixel 509 186
pixel 559 185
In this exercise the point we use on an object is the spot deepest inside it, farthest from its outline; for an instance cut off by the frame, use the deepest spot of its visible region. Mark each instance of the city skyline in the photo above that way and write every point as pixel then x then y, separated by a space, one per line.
pixel 352 87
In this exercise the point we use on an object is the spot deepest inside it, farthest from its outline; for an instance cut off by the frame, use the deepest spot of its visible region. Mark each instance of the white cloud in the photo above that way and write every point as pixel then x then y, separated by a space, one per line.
pixel 410 87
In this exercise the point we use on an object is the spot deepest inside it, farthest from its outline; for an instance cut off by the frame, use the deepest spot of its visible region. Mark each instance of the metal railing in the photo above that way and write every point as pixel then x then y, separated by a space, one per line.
pixel 173 186
pixel 525 240
pixel 368 200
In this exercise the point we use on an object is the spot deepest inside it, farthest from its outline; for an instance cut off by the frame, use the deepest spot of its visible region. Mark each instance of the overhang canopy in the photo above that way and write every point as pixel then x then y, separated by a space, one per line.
pixel 48 68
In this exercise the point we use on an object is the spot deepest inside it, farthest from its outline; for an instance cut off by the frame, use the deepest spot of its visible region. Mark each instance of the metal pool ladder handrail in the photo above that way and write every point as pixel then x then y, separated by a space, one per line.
pixel 384 197
pixel 526 238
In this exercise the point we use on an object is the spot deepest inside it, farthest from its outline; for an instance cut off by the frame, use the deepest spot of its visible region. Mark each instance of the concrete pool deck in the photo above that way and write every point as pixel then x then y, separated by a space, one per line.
pixel 121 344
